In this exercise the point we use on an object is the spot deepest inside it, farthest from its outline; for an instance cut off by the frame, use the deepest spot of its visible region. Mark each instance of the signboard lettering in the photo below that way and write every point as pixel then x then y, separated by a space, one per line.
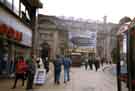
pixel 10 32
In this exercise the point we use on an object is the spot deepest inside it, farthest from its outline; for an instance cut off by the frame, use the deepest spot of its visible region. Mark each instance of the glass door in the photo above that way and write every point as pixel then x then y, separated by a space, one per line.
pixel 122 73
pixel 123 63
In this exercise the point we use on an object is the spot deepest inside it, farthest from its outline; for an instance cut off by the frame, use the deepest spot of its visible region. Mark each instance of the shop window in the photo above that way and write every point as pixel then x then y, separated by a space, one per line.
pixel 24 14
pixel 10 1
pixel 9 4
pixel 27 15
pixel 22 10
pixel 16 7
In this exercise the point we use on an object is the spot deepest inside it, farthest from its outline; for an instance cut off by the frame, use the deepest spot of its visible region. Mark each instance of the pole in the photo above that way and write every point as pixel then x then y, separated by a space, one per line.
pixel 129 59
pixel 118 64
pixel 33 25
pixel 104 41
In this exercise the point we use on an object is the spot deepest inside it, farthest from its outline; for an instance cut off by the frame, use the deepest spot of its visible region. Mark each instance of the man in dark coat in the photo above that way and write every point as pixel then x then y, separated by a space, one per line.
pixel 30 73
pixel 44 56
pixel 90 62
pixel 96 63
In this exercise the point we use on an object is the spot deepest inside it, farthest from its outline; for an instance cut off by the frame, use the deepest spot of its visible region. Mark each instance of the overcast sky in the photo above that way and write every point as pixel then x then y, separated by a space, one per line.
pixel 90 9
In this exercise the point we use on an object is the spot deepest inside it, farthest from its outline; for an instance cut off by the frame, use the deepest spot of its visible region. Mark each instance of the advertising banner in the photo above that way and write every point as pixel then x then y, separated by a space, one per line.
pixel 84 39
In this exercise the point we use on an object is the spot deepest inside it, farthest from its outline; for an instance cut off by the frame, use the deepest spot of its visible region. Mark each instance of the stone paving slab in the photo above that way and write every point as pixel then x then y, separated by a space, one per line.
pixel 81 80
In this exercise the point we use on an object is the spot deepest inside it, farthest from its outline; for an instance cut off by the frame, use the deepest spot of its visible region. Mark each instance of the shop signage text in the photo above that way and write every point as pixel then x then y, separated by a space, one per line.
pixel 10 32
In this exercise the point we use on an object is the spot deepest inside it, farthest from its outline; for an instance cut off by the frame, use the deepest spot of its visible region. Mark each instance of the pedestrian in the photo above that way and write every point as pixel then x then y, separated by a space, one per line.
pixel 57 69
pixel 97 64
pixel 20 70
pixel 102 61
pixel 45 57
pixel 86 63
pixel 90 62
pixel 31 72
pixel 67 64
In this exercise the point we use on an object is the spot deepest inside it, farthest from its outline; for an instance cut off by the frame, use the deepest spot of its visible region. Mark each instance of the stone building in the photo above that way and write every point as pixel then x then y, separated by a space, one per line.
pixel 79 27
pixel 106 40
pixel 55 31
pixel 49 32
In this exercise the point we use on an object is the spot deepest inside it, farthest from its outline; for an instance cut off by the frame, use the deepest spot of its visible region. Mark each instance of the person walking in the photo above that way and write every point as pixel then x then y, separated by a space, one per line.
pixel 97 64
pixel 67 64
pixel 86 63
pixel 21 70
pixel 90 63
pixel 102 62
pixel 31 72
pixel 57 69
pixel 45 58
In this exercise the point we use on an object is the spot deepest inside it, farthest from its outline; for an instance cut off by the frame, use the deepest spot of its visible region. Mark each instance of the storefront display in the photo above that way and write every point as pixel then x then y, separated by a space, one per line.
pixel 126 70
pixel 15 37
pixel 122 73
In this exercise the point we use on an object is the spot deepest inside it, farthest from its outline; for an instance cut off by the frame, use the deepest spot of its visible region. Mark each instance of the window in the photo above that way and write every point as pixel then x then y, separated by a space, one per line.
pixel 9 4
pixel 27 15
pixel 24 14
pixel 9 1
pixel 16 6
pixel 22 10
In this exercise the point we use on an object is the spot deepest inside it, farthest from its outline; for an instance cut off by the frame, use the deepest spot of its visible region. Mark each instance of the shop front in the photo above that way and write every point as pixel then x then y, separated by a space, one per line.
pixel 126 58
pixel 15 40
pixel 122 72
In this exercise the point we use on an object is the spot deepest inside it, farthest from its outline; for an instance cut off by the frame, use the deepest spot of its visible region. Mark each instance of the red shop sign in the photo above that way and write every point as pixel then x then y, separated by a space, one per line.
pixel 18 36
pixel 3 28
pixel 10 32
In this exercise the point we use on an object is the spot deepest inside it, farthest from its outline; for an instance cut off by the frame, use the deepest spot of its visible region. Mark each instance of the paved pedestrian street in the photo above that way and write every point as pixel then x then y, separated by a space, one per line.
pixel 81 80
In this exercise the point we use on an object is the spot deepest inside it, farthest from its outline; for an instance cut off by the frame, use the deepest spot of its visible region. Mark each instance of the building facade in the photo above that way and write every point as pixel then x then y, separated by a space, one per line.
pixel 106 40
pixel 15 33
pixel 51 26
pixel 50 33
